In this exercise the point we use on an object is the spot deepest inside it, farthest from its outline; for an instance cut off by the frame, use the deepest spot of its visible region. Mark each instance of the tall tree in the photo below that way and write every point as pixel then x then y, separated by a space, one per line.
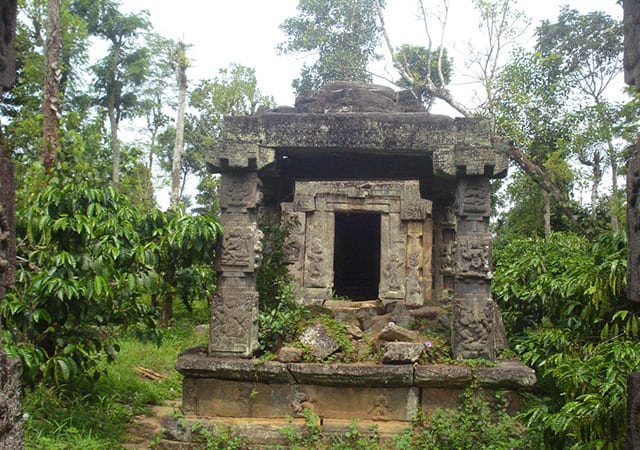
pixel 121 73
pixel 501 26
pixel 432 82
pixel 529 112
pixel 342 33
pixel 51 104
pixel 155 99
pixel 588 49
pixel 180 64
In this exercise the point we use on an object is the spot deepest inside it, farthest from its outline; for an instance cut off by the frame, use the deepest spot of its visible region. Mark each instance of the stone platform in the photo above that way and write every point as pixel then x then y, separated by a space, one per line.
pixel 216 389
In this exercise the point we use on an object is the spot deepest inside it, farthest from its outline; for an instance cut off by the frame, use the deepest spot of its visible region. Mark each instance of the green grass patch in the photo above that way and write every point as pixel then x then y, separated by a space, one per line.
pixel 96 415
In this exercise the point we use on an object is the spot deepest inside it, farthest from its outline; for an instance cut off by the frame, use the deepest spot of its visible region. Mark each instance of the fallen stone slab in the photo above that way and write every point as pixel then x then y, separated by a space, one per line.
pixel 321 344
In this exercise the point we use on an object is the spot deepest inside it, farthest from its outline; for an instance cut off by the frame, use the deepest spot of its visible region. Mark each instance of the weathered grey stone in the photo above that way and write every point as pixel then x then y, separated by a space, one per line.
pixel 352 374
pixel 11 424
pixel 290 355
pixel 354 331
pixel 402 352
pixel 194 363
pixel 507 374
pixel 473 334
pixel 321 345
pixel 442 376
pixel 396 333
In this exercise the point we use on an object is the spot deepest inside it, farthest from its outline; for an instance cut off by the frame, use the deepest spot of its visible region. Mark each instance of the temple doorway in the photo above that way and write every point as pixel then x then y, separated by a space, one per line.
pixel 356 263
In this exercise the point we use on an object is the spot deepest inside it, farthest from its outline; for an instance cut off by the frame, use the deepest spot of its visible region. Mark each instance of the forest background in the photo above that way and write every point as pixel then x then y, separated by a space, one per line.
pixel 105 114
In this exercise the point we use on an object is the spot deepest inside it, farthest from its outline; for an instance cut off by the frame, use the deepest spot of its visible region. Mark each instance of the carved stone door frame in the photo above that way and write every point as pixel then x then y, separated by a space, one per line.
pixel 405 236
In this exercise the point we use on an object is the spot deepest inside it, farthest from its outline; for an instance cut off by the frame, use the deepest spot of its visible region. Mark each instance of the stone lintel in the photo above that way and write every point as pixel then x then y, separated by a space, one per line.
pixel 459 146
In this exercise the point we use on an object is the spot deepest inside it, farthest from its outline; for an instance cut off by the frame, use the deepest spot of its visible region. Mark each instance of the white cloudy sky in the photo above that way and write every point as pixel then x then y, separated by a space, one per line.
pixel 246 32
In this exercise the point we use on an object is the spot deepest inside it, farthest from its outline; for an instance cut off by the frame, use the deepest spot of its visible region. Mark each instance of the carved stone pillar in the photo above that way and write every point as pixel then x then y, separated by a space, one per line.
pixel 234 310
pixel 474 315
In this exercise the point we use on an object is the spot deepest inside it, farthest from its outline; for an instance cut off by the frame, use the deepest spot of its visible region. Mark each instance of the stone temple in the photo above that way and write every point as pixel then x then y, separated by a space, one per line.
pixel 391 205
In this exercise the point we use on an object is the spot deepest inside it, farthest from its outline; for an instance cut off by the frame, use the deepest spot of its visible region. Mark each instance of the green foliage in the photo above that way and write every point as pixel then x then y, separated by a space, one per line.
pixel 90 263
pixel 476 424
pixel 85 269
pixel 218 439
pixel 342 33
pixel 565 282
pixel 279 313
pixel 564 299
pixel 311 436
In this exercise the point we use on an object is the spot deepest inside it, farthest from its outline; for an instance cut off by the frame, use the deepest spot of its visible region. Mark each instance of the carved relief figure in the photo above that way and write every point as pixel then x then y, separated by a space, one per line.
pixel 474 258
pixel 393 271
pixel 237 192
pixel 472 327
pixel 446 257
pixel 476 198
pixel 414 286
pixel 302 401
pixel 380 408
pixel 315 260
pixel 235 247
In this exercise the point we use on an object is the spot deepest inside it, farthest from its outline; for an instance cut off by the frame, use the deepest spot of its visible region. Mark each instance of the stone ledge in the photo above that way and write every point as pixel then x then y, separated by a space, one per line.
pixel 199 365
pixel 352 374
pixel 507 374
pixel 442 376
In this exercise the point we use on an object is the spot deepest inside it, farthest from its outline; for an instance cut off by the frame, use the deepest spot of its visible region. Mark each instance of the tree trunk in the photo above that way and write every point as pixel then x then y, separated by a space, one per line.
pixel 596 172
pixel 51 99
pixel 615 225
pixel 114 119
pixel 115 143
pixel 546 199
pixel 180 65
pixel 166 311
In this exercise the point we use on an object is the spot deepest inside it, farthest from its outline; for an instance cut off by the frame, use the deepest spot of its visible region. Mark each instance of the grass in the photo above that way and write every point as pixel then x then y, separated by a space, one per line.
pixel 96 415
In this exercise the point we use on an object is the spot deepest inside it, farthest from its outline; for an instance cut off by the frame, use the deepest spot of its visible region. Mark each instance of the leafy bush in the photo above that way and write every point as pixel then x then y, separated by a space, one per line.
pixel 564 299
pixel 279 312
pixel 90 262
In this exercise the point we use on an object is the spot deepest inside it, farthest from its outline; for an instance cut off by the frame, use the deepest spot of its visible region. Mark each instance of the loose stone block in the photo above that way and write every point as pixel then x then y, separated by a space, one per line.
pixel 402 352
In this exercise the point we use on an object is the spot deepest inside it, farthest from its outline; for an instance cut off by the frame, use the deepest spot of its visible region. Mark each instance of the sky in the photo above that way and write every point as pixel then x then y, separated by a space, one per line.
pixel 247 32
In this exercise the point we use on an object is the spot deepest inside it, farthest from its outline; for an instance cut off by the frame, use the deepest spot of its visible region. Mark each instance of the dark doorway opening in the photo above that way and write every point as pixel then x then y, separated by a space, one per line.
pixel 356 263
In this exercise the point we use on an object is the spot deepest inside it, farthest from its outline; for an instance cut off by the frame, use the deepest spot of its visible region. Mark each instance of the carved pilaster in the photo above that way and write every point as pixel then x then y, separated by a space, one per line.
pixel 474 312
pixel 234 309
